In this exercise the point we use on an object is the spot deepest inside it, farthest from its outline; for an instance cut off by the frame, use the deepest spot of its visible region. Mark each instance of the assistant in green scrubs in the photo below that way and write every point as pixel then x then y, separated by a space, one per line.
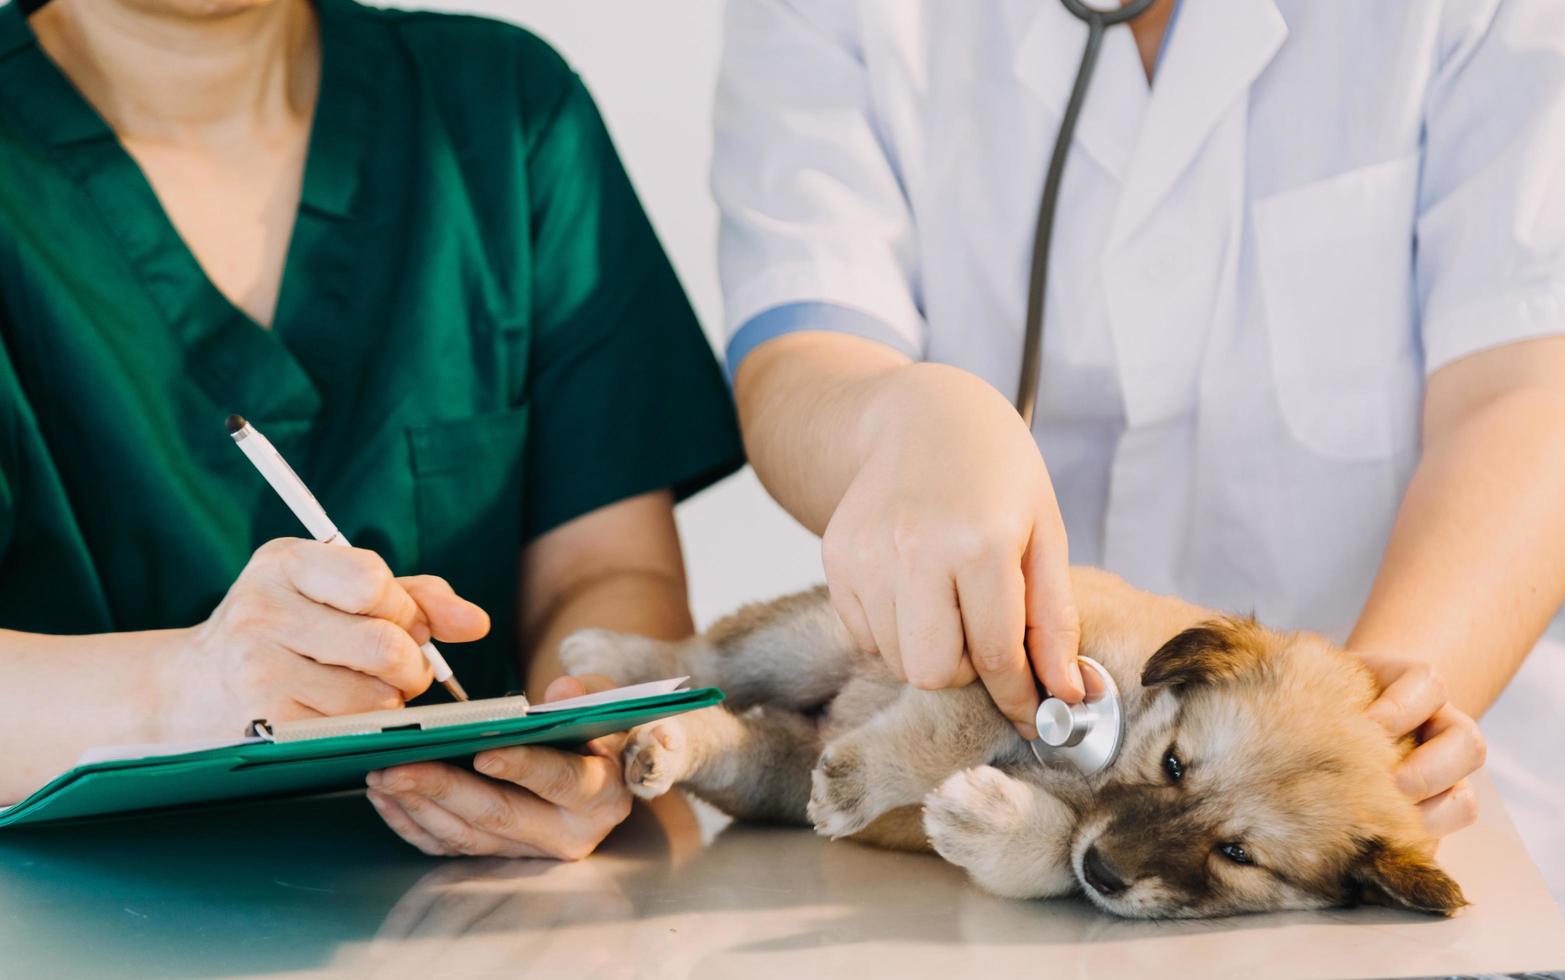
pixel 477 339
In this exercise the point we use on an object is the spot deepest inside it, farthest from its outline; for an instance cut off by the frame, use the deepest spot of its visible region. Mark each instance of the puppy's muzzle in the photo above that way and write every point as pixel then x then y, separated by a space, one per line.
pixel 1100 874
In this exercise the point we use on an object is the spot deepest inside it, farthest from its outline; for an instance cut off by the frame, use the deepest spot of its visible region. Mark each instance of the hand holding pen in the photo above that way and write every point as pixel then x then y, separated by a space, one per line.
pixel 259 450
pixel 310 628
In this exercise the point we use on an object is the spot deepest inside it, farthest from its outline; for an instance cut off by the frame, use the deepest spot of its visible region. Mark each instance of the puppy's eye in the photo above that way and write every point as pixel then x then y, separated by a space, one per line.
pixel 1172 766
pixel 1235 852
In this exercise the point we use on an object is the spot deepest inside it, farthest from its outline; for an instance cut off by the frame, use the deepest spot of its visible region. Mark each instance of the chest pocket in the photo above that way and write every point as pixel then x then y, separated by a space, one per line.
pixel 469 493
pixel 1336 271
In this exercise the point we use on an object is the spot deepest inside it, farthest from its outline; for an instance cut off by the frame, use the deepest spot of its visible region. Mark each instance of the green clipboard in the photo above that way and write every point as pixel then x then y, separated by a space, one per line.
pixel 266 769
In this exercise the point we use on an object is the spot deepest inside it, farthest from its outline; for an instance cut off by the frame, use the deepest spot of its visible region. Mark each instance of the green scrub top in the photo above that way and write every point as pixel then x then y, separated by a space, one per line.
pixel 478 338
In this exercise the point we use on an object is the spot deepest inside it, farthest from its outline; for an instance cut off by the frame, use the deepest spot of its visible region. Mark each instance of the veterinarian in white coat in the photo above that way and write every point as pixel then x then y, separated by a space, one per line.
pixel 1302 354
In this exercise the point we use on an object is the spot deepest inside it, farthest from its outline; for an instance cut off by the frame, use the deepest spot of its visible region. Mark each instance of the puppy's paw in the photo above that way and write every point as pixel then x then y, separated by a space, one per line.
pixel 1013 839
pixel 840 793
pixel 964 814
pixel 656 757
pixel 600 651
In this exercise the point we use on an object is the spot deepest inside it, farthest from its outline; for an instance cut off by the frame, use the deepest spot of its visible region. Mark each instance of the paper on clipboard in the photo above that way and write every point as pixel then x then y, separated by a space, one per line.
pixel 647 690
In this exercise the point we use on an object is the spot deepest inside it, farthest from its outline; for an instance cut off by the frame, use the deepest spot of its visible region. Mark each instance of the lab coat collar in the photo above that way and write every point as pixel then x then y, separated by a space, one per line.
pixel 1218 48
pixel 1045 61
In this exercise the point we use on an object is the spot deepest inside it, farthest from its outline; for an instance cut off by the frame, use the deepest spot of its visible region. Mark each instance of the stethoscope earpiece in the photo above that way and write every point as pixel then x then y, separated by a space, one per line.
pixel 1086 735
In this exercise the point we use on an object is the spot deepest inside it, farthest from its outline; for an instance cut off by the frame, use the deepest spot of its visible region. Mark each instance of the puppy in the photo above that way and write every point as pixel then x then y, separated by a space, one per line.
pixel 1249 779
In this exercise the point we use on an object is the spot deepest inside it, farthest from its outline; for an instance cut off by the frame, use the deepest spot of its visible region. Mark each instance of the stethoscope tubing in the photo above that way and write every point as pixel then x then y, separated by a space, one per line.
pixel 1097 21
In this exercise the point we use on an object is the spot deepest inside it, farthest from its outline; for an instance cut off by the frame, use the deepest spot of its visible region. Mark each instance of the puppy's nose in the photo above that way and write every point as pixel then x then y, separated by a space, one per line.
pixel 1099 875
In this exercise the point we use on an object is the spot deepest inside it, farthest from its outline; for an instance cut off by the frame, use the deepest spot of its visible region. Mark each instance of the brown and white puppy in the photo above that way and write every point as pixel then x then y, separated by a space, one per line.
pixel 1250 778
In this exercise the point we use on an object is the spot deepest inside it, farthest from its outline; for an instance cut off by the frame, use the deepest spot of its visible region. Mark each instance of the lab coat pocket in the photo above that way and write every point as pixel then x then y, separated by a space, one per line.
pixel 469 485
pixel 1336 270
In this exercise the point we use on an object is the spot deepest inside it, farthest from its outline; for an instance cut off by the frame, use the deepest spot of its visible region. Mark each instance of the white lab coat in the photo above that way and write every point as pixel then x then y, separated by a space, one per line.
pixel 1257 262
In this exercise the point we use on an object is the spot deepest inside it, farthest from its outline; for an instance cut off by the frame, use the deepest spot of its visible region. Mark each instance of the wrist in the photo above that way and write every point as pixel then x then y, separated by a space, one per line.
pixel 921 398
pixel 162 683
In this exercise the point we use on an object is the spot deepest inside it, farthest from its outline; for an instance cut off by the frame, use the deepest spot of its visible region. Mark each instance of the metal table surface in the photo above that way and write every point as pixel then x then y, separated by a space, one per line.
pixel 318 887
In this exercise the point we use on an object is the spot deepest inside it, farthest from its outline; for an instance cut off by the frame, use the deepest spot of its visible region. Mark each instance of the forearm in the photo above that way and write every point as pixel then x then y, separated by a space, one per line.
pixel 65 694
pixel 1472 573
pixel 642 602
pixel 616 568
pixel 802 401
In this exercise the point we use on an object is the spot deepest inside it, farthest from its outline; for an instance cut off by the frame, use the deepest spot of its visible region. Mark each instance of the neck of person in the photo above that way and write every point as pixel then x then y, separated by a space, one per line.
pixel 182 71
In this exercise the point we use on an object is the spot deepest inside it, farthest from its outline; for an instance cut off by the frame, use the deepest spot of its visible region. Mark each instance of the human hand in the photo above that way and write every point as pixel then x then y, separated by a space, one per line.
pixel 947 553
pixel 524 801
pixel 311 629
pixel 1450 745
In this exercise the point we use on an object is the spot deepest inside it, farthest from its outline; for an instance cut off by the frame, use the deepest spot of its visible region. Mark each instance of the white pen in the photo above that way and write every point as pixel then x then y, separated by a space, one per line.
pixel 308 510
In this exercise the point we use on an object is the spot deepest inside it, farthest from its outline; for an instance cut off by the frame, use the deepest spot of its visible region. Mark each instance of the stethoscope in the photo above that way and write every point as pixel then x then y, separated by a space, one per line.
pixel 1088 735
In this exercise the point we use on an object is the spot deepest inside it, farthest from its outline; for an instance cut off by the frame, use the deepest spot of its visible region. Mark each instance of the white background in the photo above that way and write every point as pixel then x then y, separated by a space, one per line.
pixel 651 67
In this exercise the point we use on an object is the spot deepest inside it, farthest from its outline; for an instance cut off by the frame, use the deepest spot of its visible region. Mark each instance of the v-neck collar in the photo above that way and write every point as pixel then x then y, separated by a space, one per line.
pixel 239 365
pixel 50 110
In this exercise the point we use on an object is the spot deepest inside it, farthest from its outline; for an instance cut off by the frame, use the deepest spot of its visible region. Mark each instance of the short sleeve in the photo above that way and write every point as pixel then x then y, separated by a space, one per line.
pixel 626 396
pixel 812 205
pixel 1491 227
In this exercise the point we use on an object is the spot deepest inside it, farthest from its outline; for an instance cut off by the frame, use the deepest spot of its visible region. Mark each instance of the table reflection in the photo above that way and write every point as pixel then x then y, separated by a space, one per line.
pixel 318 887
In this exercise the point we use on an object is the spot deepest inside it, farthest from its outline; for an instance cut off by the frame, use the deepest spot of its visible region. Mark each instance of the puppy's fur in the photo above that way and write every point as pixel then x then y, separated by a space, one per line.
pixel 1250 778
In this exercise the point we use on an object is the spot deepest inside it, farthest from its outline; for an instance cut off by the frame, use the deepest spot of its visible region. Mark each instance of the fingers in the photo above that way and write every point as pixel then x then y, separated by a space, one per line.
pixel 466 813
pixel 1453 810
pixel 846 603
pixel 352 580
pixel 566 779
pixel 1053 626
pixel 1412 698
pixel 568 686
pixel 364 619
pixel 881 614
pixel 404 825
pixel 1451 748
pixel 563 688
pixel 929 625
pixel 451 618
pixel 338 690
pixel 992 599
pixel 869 616
pixel 437 831
pixel 373 647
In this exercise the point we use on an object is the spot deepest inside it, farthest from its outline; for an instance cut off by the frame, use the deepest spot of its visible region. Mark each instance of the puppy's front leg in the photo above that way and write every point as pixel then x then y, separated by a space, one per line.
pixel 754 765
pixel 1013 837
pixel 902 753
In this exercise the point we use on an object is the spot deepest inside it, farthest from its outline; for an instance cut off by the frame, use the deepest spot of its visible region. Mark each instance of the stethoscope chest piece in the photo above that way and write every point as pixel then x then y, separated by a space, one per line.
pixel 1086 735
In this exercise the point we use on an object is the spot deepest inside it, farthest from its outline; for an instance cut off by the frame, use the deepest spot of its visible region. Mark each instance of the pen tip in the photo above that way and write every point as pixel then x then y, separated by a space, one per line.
pixel 235 423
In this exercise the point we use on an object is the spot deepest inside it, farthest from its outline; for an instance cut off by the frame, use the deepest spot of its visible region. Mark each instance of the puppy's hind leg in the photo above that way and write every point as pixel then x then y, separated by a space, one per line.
pixel 625 658
pixel 902 753
pixel 792 651
pixel 754 765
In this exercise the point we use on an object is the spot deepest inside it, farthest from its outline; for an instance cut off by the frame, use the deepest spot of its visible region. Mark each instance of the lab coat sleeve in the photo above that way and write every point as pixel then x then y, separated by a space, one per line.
pixel 1490 267
pixel 812 203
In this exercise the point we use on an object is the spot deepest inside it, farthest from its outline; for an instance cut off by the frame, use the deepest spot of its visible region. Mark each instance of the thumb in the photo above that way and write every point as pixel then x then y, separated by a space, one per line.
pixel 1053 626
pixel 574 687
pixel 451 618
pixel 560 688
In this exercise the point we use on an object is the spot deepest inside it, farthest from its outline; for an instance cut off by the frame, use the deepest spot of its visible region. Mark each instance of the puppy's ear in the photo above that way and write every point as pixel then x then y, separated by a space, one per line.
pixel 1402 877
pixel 1216 650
